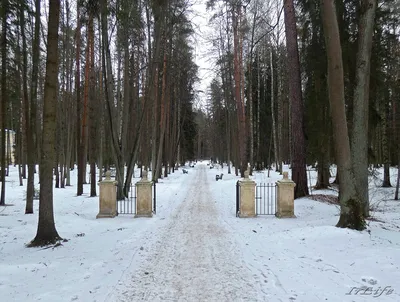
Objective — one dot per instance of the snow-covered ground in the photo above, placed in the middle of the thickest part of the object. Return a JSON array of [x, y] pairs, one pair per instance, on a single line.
[[195, 249]]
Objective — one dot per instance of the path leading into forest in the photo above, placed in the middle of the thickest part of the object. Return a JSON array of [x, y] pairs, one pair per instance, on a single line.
[[195, 257], [195, 249]]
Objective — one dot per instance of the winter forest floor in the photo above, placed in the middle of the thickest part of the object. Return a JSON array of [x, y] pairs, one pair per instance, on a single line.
[[195, 249]]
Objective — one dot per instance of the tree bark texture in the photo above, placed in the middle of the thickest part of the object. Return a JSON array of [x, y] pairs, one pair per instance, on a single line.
[[299, 173], [359, 140], [78, 102], [237, 65], [351, 211], [46, 232], [4, 101]]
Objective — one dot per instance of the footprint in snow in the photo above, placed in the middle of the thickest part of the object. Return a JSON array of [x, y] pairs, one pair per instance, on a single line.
[[369, 280]]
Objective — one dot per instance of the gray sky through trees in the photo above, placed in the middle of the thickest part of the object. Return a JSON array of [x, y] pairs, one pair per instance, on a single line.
[[202, 48]]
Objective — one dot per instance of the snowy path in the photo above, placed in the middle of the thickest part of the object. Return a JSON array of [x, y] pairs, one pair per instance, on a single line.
[[195, 249], [195, 258]]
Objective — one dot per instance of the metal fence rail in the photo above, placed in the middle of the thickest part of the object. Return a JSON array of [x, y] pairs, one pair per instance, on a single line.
[[237, 198], [154, 198]]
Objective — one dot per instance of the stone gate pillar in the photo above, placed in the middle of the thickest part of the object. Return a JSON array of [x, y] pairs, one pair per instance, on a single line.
[[285, 202], [108, 197], [247, 197], [144, 205]]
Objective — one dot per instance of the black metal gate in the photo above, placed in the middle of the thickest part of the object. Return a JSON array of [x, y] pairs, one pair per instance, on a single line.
[[128, 205], [154, 198], [266, 199]]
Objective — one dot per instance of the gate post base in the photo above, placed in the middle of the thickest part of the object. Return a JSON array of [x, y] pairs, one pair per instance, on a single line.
[[285, 215], [104, 215], [144, 215], [245, 215]]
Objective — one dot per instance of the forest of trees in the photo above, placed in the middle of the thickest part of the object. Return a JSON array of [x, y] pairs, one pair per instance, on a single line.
[[309, 83], [112, 83], [98, 83]]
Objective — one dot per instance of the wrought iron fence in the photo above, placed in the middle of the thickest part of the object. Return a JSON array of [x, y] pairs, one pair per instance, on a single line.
[[266, 199], [128, 205]]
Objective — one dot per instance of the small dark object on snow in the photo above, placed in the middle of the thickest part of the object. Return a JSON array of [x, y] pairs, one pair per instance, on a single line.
[[185, 171], [254, 231], [217, 177], [80, 235], [211, 167]]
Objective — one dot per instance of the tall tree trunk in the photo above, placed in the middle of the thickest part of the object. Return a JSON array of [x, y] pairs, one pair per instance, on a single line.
[[258, 110], [323, 160], [359, 141], [163, 112], [69, 106], [56, 174], [351, 210], [386, 157], [84, 125], [237, 63], [396, 193], [78, 102], [178, 153], [158, 11], [32, 143], [4, 101], [109, 95], [92, 111], [279, 99], [274, 136], [46, 232], [299, 173], [228, 116], [27, 105]]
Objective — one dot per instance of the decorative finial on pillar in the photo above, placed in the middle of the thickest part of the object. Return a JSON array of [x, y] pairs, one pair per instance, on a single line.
[[108, 175], [247, 173], [144, 175], [285, 175]]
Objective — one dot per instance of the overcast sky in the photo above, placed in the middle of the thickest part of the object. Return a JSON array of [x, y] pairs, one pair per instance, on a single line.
[[200, 19]]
